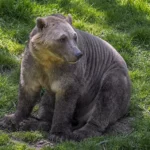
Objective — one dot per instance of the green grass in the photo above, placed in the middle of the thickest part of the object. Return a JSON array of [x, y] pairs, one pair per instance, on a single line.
[[123, 23]]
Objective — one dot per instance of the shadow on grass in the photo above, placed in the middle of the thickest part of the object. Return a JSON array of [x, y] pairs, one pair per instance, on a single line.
[[16, 18], [20, 10], [44, 2], [130, 17]]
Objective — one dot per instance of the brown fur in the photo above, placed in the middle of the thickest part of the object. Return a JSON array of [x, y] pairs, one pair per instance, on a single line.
[[84, 94]]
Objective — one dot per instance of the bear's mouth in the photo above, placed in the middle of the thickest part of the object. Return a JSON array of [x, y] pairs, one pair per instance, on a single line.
[[72, 62]]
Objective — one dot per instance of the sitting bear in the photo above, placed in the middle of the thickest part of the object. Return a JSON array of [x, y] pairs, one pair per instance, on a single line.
[[86, 82]]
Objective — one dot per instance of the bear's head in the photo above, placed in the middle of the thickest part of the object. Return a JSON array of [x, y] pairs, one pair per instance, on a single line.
[[54, 39]]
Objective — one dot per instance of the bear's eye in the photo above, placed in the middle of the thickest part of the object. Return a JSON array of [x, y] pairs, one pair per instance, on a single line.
[[62, 39]]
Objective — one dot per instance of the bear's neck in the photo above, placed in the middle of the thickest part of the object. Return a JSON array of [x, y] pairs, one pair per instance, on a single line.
[[49, 62]]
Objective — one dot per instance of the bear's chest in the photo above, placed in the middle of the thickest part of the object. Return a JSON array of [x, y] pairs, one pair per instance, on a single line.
[[49, 77]]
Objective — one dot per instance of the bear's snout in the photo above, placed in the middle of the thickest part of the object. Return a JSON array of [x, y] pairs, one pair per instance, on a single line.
[[79, 55]]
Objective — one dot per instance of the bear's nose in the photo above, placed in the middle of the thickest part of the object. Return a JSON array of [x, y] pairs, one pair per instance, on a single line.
[[79, 55]]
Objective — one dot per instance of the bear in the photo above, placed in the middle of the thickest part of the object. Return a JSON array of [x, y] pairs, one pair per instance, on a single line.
[[86, 82]]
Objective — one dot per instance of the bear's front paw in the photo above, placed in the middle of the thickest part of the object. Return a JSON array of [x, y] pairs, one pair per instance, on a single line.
[[56, 138], [9, 123], [27, 125], [60, 137], [32, 124]]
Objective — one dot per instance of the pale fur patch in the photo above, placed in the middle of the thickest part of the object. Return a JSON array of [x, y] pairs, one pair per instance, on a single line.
[[56, 87]]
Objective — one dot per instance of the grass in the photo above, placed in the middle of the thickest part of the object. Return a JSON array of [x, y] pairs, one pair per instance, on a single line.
[[123, 23]]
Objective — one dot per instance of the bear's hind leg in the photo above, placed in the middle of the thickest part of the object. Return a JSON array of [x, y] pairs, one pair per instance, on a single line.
[[111, 104]]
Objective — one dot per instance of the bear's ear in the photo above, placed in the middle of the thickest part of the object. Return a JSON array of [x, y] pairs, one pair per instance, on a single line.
[[69, 19], [41, 23]]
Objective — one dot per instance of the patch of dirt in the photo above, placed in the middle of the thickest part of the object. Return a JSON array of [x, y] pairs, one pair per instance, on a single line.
[[38, 145], [43, 143]]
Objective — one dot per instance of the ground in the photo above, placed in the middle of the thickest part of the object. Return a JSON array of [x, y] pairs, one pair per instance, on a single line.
[[123, 23]]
